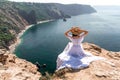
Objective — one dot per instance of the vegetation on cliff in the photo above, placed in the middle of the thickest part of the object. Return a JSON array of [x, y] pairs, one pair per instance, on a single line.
[[75, 9], [39, 11], [43, 11], [10, 24], [14, 16]]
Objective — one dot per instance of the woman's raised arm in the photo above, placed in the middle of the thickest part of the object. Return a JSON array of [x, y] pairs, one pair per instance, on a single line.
[[85, 32], [66, 33]]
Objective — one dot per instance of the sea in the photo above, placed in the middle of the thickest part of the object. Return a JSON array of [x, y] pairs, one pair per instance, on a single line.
[[44, 42]]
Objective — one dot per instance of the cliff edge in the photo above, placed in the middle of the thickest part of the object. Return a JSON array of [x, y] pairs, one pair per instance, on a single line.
[[13, 68], [108, 69]]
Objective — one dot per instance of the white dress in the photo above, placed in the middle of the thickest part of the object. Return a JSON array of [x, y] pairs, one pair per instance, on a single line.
[[74, 56]]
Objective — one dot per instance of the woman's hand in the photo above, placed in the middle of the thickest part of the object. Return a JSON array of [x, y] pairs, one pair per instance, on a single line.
[[66, 33]]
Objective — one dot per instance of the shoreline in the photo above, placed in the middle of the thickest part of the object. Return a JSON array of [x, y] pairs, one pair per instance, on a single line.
[[18, 40]]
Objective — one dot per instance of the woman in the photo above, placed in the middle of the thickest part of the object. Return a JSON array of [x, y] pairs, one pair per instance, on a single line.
[[74, 55], [76, 38]]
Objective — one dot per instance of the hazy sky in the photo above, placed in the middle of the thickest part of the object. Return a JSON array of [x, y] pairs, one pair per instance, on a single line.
[[90, 2]]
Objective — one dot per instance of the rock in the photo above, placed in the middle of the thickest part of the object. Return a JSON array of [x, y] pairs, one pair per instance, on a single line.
[[13, 68], [108, 69], [2, 51]]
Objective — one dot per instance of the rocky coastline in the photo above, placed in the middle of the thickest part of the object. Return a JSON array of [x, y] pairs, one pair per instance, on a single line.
[[14, 68]]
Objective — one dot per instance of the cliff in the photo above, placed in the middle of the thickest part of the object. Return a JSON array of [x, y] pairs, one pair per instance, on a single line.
[[13, 68], [108, 69], [75, 9], [41, 11], [34, 12], [11, 23]]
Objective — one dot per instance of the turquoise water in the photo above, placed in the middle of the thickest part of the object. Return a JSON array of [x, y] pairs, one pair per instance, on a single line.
[[43, 42]]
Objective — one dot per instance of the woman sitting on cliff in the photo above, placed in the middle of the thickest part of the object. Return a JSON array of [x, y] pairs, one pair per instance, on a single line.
[[74, 55]]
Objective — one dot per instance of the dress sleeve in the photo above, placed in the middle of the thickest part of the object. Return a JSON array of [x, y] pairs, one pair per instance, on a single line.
[[82, 33]]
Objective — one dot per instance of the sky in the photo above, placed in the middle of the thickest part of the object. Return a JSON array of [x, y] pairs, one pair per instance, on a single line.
[[90, 2]]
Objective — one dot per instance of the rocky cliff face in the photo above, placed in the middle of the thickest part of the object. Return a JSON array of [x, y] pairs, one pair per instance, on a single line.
[[75, 9], [108, 69], [13, 68], [34, 12], [11, 16], [43, 11], [11, 23]]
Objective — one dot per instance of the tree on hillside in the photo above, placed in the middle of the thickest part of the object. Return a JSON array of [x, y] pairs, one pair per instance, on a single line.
[[32, 17]]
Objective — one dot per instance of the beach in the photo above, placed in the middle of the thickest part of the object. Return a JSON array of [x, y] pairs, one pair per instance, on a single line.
[[18, 40]]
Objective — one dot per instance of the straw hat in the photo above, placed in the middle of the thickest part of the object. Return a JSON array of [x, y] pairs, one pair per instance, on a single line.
[[75, 30]]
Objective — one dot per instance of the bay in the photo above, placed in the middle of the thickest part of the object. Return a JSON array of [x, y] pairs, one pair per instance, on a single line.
[[43, 42]]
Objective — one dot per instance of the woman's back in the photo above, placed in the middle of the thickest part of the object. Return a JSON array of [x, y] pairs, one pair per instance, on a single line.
[[76, 41]]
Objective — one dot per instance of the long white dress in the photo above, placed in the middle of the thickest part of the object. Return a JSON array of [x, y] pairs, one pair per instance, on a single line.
[[74, 56]]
